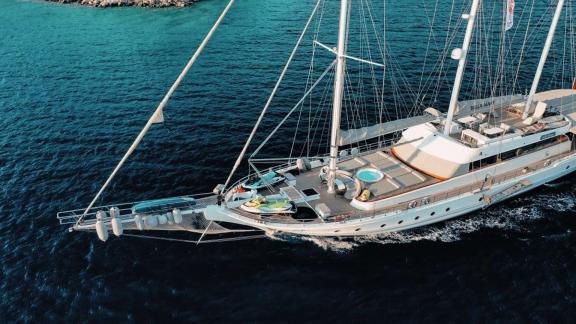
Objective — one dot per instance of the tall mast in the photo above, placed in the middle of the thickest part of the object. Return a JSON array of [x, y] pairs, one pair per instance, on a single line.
[[543, 58], [338, 92], [460, 54]]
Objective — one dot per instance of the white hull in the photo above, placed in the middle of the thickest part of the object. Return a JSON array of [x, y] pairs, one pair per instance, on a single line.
[[410, 218]]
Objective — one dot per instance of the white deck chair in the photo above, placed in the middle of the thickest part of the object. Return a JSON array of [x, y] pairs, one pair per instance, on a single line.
[[537, 115]]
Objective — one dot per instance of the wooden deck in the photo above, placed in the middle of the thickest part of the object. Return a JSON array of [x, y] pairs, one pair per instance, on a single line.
[[342, 211]]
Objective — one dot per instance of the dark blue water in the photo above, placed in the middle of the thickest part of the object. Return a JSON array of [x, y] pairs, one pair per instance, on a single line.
[[77, 84]]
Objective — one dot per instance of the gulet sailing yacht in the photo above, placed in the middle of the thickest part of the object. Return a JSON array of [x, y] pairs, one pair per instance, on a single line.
[[442, 165]]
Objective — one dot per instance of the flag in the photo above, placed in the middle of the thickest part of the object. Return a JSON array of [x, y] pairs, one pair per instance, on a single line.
[[510, 15], [158, 117]]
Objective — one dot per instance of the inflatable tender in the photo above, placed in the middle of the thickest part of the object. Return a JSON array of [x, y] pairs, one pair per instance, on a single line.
[[160, 205], [269, 179]]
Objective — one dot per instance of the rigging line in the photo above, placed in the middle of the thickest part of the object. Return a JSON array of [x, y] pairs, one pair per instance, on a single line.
[[442, 79], [316, 112], [525, 40], [310, 102], [379, 89], [430, 36], [309, 79], [375, 84], [158, 112], [231, 239], [320, 116], [284, 70], [293, 109]]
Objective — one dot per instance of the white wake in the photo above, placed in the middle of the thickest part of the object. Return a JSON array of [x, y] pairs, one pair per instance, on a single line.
[[516, 215]]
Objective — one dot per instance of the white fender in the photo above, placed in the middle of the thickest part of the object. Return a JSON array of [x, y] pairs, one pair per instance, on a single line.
[[162, 219], [170, 218], [151, 220], [177, 215], [139, 222], [114, 212], [101, 229], [117, 227]]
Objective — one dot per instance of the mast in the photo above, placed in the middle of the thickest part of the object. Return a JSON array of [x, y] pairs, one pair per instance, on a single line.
[[460, 54], [338, 92], [543, 58]]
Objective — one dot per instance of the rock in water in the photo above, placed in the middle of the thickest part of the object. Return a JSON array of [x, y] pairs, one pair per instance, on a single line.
[[124, 3]]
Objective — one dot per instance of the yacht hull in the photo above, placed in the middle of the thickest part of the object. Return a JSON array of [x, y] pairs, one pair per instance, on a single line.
[[415, 217]]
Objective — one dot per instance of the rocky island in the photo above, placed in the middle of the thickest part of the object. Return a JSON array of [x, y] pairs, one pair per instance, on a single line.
[[125, 3]]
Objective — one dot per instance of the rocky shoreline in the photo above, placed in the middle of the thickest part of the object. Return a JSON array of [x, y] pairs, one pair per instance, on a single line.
[[127, 3]]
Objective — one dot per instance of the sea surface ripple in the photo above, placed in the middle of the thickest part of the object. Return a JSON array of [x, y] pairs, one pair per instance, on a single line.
[[76, 86]]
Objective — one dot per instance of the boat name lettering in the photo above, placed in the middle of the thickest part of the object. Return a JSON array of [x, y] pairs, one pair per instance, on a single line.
[[547, 136]]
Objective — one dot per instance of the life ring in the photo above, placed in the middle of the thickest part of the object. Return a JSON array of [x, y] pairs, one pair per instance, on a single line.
[[426, 201], [412, 204]]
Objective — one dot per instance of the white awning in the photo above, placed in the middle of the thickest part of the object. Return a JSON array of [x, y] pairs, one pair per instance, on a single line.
[[356, 135], [464, 108], [562, 101], [485, 105]]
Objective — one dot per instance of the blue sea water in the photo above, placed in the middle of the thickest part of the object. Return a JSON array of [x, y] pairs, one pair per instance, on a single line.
[[77, 84]]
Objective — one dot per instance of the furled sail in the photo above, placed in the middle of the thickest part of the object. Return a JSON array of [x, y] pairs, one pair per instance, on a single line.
[[562, 101], [464, 107], [356, 135], [485, 105]]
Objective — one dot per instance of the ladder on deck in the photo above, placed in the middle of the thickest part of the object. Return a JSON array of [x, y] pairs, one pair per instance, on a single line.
[[499, 196]]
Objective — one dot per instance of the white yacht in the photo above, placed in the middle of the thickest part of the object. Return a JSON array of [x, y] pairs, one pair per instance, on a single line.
[[389, 176]]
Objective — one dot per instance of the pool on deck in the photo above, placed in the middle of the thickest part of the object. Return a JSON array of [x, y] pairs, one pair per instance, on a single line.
[[369, 175]]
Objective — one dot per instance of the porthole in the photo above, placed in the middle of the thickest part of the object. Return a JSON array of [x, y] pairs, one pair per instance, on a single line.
[[400, 222], [481, 198], [432, 213], [448, 209], [417, 218], [567, 167], [336, 231], [383, 225], [357, 229]]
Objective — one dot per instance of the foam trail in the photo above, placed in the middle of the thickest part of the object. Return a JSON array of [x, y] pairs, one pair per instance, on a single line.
[[518, 218]]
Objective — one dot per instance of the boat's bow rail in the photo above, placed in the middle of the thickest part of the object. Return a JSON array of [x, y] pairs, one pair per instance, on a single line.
[[127, 211]]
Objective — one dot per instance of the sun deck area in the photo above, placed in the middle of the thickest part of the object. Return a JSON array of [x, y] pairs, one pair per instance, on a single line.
[[487, 127], [308, 190]]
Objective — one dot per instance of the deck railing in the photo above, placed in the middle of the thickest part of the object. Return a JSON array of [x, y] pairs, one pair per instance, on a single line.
[[70, 217]]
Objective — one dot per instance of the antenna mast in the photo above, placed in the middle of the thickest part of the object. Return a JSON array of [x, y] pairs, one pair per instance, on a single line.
[[460, 54]]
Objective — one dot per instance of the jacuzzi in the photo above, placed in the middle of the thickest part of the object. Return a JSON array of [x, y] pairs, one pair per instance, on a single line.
[[369, 175]]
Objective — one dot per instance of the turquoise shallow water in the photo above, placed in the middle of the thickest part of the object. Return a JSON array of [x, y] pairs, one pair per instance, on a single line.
[[77, 84]]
